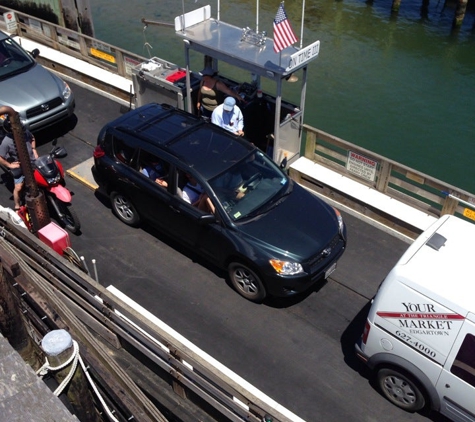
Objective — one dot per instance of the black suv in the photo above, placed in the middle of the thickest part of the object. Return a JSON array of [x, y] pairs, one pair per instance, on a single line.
[[219, 195]]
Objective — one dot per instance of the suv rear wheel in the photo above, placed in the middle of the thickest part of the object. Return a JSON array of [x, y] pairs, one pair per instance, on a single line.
[[124, 209], [400, 389], [246, 282]]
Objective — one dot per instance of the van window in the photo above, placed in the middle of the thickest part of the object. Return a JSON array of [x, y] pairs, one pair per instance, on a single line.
[[122, 151], [464, 363], [154, 168]]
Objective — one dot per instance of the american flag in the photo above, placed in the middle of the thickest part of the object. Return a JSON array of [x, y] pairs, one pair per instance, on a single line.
[[283, 33]]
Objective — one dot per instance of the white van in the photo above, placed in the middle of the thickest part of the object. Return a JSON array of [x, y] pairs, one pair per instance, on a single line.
[[419, 337]]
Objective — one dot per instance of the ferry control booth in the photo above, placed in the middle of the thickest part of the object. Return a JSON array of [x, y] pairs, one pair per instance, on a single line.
[[273, 125]]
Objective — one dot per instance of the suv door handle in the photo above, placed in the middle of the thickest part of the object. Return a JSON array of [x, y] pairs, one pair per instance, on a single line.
[[175, 209]]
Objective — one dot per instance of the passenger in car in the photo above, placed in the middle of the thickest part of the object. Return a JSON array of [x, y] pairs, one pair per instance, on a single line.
[[194, 194], [156, 172], [4, 59]]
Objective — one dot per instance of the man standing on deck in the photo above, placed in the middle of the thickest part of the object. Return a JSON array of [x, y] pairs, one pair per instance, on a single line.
[[229, 116]]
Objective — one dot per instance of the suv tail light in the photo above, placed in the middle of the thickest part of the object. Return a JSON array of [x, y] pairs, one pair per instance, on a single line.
[[365, 334], [98, 152]]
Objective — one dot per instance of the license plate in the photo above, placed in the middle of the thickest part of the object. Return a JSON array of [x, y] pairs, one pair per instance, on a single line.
[[330, 270]]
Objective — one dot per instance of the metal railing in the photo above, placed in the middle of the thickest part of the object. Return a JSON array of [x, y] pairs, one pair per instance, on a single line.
[[387, 176], [55, 294], [409, 186]]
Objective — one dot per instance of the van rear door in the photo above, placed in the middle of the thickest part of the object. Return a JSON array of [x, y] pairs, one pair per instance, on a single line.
[[456, 385]]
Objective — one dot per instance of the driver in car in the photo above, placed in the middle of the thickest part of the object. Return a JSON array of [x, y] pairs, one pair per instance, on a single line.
[[231, 184]]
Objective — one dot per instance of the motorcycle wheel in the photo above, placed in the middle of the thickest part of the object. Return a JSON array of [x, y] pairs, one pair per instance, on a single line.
[[69, 220]]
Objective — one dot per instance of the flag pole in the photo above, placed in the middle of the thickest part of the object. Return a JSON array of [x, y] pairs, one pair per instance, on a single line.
[[301, 29], [257, 16]]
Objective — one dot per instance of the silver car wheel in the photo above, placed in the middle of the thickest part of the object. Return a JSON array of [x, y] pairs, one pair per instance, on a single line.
[[246, 282], [400, 390], [124, 209]]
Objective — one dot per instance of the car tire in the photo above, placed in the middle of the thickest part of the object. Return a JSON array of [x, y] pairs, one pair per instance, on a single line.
[[246, 282], [124, 209], [400, 389]]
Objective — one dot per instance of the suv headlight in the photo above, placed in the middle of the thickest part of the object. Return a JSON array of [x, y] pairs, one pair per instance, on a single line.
[[286, 267], [341, 225], [66, 91]]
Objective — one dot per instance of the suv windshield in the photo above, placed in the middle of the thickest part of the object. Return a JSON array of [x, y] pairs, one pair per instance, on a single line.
[[13, 59], [250, 186]]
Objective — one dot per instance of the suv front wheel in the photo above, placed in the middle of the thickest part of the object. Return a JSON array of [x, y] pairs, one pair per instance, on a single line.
[[246, 282], [124, 209]]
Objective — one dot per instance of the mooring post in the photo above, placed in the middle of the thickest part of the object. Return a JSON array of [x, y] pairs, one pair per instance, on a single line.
[[460, 13], [61, 353], [395, 6]]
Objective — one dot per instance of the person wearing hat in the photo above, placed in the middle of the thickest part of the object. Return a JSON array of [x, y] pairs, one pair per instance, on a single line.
[[229, 116], [208, 93]]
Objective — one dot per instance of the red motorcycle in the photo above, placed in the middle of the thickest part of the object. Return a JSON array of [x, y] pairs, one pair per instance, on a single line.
[[49, 176]]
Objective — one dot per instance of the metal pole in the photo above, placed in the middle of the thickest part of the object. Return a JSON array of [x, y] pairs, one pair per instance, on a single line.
[[183, 17], [95, 270], [278, 103], [189, 105]]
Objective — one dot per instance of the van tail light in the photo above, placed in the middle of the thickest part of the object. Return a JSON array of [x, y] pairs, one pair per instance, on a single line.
[[98, 152], [364, 337]]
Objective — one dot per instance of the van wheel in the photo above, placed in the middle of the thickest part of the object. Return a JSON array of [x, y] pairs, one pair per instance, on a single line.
[[124, 209], [246, 282], [400, 390]]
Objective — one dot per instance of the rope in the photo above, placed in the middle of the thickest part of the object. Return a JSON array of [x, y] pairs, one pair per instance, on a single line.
[[98, 394], [47, 367], [74, 359]]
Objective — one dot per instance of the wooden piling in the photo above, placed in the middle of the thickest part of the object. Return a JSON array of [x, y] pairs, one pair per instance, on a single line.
[[395, 6], [12, 324], [460, 13], [59, 348]]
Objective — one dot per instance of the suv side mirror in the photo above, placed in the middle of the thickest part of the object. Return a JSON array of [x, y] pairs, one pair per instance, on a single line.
[[207, 219], [35, 53]]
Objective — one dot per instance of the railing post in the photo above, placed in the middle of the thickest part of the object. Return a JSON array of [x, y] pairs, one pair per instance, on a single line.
[[310, 143], [383, 177], [449, 206]]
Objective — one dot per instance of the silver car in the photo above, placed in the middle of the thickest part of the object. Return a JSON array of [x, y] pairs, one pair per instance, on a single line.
[[39, 96]]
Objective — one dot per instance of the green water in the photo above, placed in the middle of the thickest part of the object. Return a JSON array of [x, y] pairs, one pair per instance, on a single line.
[[401, 86]]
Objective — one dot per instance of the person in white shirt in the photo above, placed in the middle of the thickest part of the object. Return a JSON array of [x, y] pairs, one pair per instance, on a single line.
[[194, 194], [229, 116], [192, 191]]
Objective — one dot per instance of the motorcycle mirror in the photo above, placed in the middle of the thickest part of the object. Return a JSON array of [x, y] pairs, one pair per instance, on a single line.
[[59, 152]]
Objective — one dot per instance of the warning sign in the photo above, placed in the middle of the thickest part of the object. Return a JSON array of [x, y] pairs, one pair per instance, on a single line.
[[100, 54], [361, 166], [10, 21], [467, 212]]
